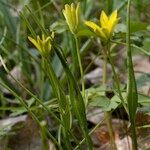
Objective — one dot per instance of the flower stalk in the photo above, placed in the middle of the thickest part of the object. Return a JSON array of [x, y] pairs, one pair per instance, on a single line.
[[108, 113], [72, 15], [44, 46], [81, 68]]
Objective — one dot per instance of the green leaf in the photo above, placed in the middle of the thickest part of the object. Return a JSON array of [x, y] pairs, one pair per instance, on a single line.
[[30, 102], [18, 111], [106, 104], [143, 80], [114, 103], [9, 20], [59, 26], [100, 101]]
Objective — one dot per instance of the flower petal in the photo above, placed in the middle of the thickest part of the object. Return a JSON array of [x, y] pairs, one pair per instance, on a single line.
[[103, 19], [73, 14], [112, 21], [77, 13], [96, 29], [34, 42]]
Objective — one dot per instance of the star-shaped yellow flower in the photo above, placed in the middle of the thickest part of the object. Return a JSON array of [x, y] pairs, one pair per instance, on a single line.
[[106, 27], [71, 14], [42, 44]]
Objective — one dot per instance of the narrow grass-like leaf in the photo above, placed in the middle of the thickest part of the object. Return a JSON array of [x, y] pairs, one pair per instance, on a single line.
[[62, 100], [28, 24], [132, 96], [36, 20], [8, 19], [75, 96]]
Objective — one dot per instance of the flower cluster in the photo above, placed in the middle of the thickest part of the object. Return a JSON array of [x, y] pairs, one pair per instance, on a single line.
[[43, 44], [71, 14], [106, 27]]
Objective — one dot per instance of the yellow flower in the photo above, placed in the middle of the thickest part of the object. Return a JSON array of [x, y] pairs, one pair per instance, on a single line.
[[107, 25], [42, 44], [71, 14]]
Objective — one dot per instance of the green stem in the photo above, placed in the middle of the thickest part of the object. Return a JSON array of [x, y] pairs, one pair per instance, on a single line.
[[42, 82], [110, 130], [109, 6], [116, 78], [44, 139], [104, 77], [108, 114], [98, 125], [132, 98], [81, 68]]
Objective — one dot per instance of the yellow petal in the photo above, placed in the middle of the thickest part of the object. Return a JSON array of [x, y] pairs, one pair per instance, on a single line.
[[73, 14], [68, 16], [77, 13], [112, 20], [113, 15], [103, 19], [35, 43], [66, 12], [96, 28], [92, 25], [40, 44]]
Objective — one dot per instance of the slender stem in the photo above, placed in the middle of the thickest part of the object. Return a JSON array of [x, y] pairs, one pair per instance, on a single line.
[[110, 130], [44, 139], [107, 113], [81, 68], [77, 147], [132, 97], [104, 77], [84, 6], [109, 6], [42, 82], [116, 78]]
